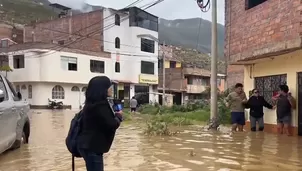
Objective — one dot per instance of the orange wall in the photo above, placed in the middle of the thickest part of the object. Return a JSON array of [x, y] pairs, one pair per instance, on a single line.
[[222, 84]]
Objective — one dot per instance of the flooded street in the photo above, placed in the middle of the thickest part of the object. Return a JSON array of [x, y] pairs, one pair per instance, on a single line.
[[193, 149]]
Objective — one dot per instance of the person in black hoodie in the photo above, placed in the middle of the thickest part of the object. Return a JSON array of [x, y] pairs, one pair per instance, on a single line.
[[99, 123], [256, 104]]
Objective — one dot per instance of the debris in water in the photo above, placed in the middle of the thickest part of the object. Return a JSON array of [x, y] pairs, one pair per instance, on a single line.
[[192, 154]]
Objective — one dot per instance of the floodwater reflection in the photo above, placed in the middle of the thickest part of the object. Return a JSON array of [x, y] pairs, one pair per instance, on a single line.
[[193, 150]]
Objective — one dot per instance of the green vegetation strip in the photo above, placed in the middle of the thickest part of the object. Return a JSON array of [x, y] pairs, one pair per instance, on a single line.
[[159, 118]]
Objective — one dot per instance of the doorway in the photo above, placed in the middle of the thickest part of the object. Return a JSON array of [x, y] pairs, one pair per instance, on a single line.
[[142, 94], [177, 98], [299, 103]]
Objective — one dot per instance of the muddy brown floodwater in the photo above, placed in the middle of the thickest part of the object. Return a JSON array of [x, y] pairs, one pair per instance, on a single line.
[[193, 149]]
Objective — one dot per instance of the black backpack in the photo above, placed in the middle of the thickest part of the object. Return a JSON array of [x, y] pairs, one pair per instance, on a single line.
[[72, 137]]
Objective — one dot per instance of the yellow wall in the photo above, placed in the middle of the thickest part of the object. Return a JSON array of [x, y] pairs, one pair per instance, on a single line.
[[288, 64], [167, 64]]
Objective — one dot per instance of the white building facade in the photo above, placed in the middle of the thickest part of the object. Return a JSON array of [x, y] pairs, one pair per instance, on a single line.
[[41, 74], [131, 36]]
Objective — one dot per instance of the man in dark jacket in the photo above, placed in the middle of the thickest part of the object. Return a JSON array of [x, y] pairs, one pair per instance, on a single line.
[[285, 104], [256, 104]]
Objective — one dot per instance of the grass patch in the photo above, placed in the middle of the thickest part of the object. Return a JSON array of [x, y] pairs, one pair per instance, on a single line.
[[180, 115]]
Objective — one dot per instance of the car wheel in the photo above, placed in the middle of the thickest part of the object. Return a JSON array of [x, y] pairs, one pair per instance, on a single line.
[[24, 139], [18, 143]]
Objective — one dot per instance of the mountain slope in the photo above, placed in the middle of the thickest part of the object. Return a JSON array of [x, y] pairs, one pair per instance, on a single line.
[[184, 32]]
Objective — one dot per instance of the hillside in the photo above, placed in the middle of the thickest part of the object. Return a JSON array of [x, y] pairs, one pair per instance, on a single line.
[[184, 32]]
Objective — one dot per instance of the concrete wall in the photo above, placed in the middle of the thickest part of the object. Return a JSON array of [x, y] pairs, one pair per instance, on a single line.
[[42, 91], [288, 64], [129, 55], [47, 68]]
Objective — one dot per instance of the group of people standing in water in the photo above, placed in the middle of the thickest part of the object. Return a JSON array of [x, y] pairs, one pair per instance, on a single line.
[[238, 102], [100, 121]]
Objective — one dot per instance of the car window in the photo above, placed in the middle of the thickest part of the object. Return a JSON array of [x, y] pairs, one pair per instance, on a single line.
[[3, 88], [14, 93]]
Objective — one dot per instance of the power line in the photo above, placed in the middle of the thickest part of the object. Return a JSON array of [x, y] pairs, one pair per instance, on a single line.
[[109, 26], [98, 22], [58, 46]]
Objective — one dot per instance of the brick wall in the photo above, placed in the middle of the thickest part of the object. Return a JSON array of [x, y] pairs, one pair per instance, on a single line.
[[59, 29], [174, 79], [5, 31], [269, 27]]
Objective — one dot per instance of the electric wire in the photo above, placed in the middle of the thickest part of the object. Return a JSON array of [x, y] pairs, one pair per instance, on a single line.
[[96, 31], [89, 26]]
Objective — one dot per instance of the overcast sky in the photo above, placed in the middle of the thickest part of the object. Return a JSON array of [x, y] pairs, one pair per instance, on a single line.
[[168, 9]]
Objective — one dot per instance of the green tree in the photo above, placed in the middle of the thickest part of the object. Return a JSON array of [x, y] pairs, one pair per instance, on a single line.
[[6, 69]]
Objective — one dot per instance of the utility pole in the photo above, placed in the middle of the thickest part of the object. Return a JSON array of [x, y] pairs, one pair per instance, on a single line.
[[164, 75], [214, 54]]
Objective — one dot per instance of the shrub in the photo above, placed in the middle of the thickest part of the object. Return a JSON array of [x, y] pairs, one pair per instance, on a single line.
[[156, 127], [148, 109]]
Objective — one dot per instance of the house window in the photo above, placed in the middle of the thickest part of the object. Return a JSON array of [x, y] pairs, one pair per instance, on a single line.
[[18, 61], [269, 85], [61, 42], [4, 43], [219, 82], [172, 64], [252, 3], [117, 67], [140, 18], [69, 63], [23, 87], [84, 89], [75, 88], [205, 81], [58, 92], [17, 88], [30, 91], [117, 43], [189, 80], [147, 45], [160, 63], [117, 20], [97, 66], [147, 67]]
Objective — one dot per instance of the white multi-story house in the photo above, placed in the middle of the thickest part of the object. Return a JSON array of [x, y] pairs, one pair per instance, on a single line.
[[41, 73], [134, 51], [122, 42]]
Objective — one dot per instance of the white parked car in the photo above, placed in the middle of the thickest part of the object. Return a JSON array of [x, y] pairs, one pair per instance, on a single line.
[[14, 120]]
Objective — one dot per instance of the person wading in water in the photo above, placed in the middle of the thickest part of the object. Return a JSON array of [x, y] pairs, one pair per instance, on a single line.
[[99, 123], [285, 104], [256, 104], [235, 101]]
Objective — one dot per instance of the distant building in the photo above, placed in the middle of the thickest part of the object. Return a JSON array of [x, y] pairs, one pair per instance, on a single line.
[[264, 48], [185, 82], [132, 46], [41, 73], [134, 51], [10, 33]]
